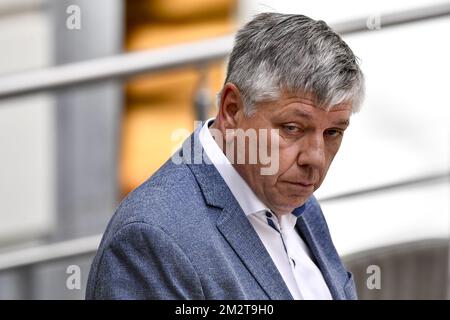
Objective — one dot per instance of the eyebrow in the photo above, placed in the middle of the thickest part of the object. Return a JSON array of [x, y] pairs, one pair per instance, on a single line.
[[345, 123], [308, 116]]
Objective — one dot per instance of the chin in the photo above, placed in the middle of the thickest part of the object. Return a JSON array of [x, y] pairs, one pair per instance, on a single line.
[[291, 202], [298, 200]]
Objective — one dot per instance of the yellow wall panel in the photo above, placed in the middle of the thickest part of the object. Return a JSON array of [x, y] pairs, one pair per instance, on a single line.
[[153, 35], [175, 10], [146, 140], [160, 103]]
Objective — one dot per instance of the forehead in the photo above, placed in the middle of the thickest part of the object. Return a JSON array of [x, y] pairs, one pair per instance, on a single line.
[[304, 107]]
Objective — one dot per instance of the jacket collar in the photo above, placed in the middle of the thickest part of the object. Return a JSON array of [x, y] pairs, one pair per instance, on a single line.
[[311, 229]]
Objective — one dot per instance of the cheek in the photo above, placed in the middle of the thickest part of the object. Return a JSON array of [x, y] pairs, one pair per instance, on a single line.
[[287, 157], [269, 183], [287, 167], [329, 157], [330, 154]]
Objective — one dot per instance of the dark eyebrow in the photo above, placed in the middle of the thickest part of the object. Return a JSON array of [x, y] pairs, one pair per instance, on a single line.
[[308, 116]]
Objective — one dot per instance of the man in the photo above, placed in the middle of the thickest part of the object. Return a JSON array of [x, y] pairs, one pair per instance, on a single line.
[[232, 215]]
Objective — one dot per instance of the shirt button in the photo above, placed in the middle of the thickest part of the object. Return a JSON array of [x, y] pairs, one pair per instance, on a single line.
[[268, 214]]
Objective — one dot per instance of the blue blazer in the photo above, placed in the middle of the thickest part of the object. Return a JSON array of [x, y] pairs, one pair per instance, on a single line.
[[182, 235]]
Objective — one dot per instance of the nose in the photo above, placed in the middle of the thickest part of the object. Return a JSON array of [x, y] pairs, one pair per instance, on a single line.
[[312, 152]]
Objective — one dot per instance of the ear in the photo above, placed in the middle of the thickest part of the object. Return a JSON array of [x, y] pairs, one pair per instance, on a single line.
[[231, 106]]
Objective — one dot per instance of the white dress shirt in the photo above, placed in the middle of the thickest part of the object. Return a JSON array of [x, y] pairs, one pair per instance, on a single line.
[[288, 251]]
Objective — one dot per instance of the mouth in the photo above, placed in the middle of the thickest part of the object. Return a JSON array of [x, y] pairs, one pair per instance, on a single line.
[[305, 185]]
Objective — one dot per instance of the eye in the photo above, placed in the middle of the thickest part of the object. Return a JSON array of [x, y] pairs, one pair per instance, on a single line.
[[334, 133], [291, 128]]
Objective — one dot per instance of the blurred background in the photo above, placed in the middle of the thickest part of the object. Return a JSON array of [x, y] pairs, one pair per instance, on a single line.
[[96, 95]]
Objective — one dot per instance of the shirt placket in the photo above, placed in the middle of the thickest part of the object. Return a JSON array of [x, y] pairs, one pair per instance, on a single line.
[[274, 223]]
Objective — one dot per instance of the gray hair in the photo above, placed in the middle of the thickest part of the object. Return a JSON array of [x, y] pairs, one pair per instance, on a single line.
[[293, 53]]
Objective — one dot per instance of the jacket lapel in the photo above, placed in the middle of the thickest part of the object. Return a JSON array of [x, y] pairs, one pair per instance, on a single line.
[[237, 230], [326, 257]]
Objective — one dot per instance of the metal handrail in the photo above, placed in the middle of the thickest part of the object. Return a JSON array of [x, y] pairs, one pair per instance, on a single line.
[[49, 252], [21, 7], [88, 245], [393, 19], [114, 67], [129, 64], [431, 178]]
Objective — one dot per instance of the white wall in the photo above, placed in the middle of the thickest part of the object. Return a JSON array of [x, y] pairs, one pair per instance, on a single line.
[[401, 133], [26, 126]]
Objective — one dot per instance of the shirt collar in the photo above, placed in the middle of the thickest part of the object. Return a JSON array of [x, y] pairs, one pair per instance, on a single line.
[[244, 195]]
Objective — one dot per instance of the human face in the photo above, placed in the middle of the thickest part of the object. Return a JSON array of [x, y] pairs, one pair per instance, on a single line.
[[309, 139]]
